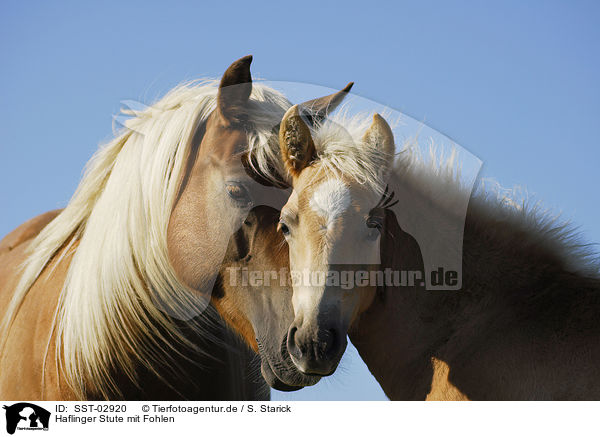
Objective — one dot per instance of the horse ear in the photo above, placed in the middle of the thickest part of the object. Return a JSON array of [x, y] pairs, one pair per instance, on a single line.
[[235, 89], [380, 136], [295, 142], [316, 110]]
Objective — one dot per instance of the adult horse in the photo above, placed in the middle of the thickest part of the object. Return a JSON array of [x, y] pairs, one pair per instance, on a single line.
[[113, 300], [525, 324]]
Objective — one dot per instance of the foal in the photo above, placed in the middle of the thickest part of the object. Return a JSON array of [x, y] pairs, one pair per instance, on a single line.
[[525, 325]]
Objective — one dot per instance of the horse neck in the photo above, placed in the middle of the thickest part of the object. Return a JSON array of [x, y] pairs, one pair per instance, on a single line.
[[397, 334], [504, 263], [392, 341]]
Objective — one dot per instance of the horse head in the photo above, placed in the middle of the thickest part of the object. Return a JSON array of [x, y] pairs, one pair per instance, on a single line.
[[225, 217], [332, 223]]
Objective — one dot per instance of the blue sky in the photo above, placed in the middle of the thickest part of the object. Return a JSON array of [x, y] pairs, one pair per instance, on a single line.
[[515, 82]]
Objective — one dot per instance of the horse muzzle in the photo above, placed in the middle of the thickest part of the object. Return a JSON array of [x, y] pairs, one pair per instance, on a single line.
[[316, 352]]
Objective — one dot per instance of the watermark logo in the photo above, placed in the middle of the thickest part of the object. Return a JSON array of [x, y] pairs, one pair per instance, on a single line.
[[344, 279], [24, 416]]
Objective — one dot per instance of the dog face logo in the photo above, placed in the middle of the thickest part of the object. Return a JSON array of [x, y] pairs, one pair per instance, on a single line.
[[26, 416]]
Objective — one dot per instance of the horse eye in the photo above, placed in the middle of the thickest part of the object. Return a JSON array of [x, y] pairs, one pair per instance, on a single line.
[[238, 192], [374, 222], [283, 228]]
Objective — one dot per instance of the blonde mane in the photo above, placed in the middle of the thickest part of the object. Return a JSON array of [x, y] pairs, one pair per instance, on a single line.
[[437, 177], [116, 225]]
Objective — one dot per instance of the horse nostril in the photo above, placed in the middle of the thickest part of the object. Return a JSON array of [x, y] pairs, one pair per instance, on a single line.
[[327, 344], [292, 347]]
